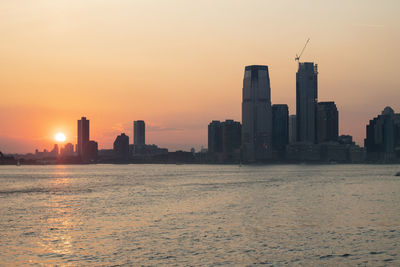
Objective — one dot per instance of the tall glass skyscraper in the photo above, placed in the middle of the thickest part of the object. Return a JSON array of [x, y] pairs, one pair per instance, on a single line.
[[256, 114], [306, 102]]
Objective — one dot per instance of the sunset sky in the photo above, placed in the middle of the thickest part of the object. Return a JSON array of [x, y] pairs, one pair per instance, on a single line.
[[179, 64]]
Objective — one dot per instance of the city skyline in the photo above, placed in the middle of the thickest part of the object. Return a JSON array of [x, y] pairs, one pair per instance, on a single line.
[[178, 77]]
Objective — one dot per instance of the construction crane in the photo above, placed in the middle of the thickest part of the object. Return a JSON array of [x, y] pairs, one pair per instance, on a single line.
[[297, 58]]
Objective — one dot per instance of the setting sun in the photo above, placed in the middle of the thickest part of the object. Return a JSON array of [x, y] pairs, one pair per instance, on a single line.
[[60, 137]]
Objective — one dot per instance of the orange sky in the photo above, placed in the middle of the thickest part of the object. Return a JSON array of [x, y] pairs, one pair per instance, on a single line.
[[179, 64]]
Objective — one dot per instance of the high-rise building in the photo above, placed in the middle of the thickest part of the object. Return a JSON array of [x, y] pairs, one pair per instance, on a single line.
[[83, 136], [139, 137], [327, 122], [280, 126], [224, 140], [215, 137], [256, 114], [121, 146], [231, 139], [92, 150], [292, 129], [383, 136], [306, 102]]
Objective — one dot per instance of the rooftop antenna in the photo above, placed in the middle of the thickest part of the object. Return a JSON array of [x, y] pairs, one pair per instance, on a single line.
[[297, 58]]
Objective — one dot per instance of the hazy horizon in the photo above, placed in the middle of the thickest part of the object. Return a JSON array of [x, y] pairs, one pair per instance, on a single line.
[[178, 65]]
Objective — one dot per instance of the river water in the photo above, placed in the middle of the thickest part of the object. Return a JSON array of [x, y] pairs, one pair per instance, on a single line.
[[194, 215]]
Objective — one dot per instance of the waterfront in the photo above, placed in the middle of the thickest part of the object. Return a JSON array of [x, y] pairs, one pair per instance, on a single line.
[[200, 215]]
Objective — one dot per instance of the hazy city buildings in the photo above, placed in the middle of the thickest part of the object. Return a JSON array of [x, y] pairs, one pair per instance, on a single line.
[[306, 102], [267, 133], [67, 150], [139, 134], [121, 146], [83, 136], [292, 129], [256, 114], [280, 126], [327, 122]]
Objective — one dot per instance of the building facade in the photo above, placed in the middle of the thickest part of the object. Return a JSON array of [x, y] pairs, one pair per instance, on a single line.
[[83, 136], [256, 114], [280, 126], [92, 150], [224, 140], [215, 137], [306, 101], [121, 146], [231, 140], [327, 122], [139, 133], [383, 136], [292, 129]]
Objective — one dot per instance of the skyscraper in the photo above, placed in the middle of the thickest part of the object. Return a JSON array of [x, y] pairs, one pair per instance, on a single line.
[[224, 140], [83, 136], [139, 137], [306, 101], [280, 126], [215, 137], [327, 122], [256, 114], [292, 129], [383, 136], [231, 139], [92, 150]]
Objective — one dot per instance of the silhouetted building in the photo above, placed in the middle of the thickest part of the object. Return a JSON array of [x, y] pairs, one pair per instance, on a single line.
[[83, 136], [215, 137], [121, 146], [327, 122], [91, 151], [139, 134], [292, 129], [383, 136], [280, 126], [306, 101], [231, 140], [224, 140], [256, 114]]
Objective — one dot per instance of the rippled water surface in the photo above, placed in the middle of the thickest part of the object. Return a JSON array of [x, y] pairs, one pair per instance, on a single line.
[[200, 215]]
